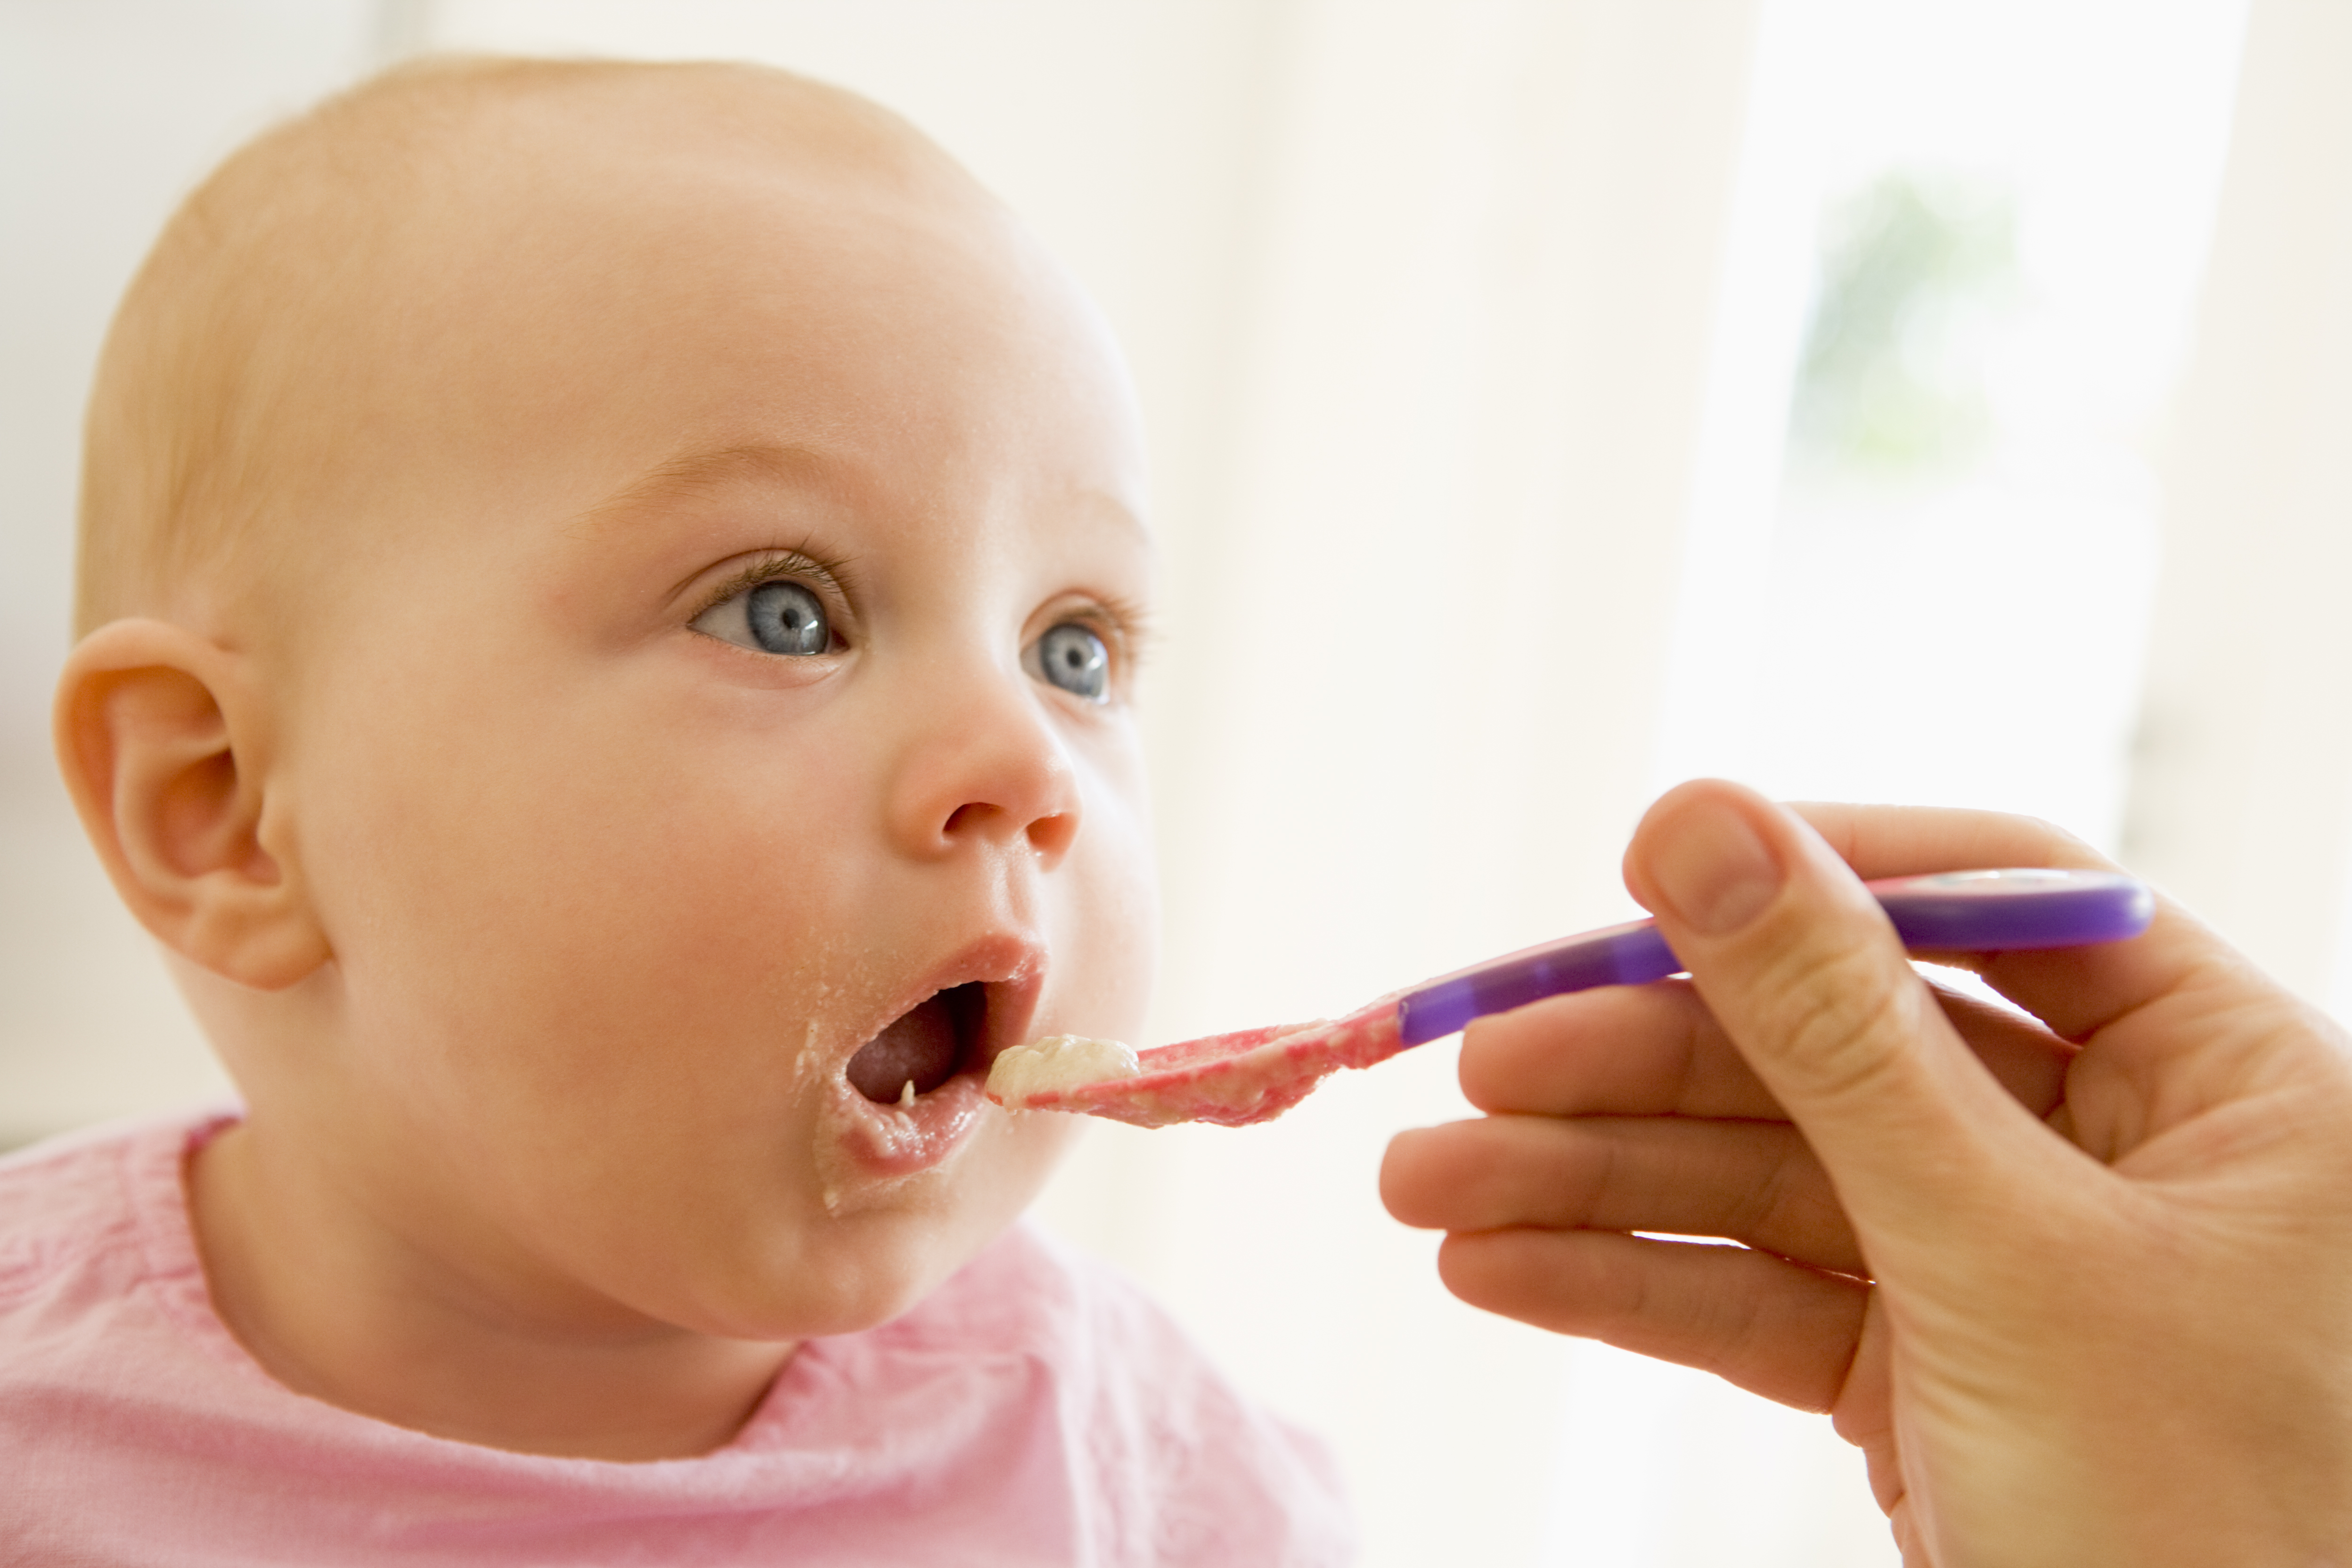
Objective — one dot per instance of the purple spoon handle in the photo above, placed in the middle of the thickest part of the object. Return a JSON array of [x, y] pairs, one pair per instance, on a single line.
[[1951, 912]]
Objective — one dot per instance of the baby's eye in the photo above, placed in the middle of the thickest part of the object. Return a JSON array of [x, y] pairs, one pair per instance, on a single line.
[[780, 616], [1073, 657]]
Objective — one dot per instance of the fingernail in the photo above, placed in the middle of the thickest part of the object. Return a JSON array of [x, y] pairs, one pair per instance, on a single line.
[[1713, 868]]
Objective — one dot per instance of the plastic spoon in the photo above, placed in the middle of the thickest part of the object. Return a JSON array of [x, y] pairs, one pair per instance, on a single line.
[[1255, 1075]]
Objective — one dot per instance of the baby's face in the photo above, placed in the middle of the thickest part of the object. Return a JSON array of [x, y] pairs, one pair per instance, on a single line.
[[725, 669]]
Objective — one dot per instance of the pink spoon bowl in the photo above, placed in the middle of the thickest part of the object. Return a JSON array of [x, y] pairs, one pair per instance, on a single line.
[[1232, 1080]]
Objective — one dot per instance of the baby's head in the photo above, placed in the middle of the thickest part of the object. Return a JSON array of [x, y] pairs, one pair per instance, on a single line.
[[610, 595]]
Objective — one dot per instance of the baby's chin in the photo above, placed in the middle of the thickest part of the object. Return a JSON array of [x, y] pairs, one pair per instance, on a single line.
[[877, 1244], [851, 1207], [880, 1225]]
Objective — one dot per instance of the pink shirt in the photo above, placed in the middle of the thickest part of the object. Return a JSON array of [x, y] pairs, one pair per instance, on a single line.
[[1034, 1409]]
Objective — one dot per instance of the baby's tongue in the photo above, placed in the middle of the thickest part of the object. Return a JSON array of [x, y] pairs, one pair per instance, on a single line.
[[919, 1047]]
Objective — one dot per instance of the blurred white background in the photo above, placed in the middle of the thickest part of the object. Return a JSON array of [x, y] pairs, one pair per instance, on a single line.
[[1552, 398]]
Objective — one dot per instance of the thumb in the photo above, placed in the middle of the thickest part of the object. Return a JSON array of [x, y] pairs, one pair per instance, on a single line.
[[1806, 975]]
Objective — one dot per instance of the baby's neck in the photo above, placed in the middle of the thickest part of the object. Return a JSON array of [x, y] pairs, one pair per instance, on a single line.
[[327, 1294]]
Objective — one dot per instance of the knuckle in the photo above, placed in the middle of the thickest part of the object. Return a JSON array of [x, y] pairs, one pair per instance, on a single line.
[[1837, 1013], [1780, 1203]]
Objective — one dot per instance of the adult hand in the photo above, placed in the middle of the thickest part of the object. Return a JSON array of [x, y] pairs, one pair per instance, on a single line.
[[2080, 1289]]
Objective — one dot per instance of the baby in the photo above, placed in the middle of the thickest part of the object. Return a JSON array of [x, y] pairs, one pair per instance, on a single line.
[[610, 597]]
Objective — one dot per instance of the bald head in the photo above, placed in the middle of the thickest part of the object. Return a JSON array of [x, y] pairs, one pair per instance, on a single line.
[[352, 286]]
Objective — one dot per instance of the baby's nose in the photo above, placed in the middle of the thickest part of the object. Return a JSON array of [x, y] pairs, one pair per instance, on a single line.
[[983, 765]]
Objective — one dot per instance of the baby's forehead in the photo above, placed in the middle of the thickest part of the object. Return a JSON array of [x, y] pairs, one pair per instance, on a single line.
[[459, 253], [765, 254], [613, 148]]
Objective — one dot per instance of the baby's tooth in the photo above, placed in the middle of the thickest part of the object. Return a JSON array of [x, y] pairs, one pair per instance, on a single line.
[[907, 1096]]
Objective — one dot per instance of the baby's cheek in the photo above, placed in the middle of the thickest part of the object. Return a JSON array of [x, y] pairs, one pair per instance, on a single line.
[[1045, 1138], [1004, 1169], [1105, 959]]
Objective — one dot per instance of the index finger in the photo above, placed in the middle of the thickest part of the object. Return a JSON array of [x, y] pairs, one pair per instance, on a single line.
[[1655, 1050]]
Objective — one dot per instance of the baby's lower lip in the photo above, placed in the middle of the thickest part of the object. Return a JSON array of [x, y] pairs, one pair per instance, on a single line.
[[895, 1140]]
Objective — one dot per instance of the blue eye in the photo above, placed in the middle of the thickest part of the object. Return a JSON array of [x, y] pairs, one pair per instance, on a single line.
[[784, 617], [780, 618], [1074, 658]]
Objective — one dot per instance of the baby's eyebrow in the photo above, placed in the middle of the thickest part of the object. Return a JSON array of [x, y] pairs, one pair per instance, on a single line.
[[696, 475], [1109, 506], [711, 471]]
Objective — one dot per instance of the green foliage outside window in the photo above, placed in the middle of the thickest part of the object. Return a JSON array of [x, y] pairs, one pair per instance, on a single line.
[[1913, 270]]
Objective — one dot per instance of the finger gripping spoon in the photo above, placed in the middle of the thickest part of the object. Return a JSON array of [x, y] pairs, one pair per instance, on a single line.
[[1256, 1075]]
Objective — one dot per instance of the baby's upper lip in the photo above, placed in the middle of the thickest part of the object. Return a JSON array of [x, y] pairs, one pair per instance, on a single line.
[[1010, 969]]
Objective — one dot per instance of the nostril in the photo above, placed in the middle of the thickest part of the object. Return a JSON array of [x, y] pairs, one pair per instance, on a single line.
[[1051, 835]]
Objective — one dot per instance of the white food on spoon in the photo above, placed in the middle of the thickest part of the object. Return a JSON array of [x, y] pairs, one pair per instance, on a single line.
[[1057, 1064]]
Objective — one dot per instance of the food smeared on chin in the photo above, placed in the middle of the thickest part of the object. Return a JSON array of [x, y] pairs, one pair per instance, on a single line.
[[1057, 1064]]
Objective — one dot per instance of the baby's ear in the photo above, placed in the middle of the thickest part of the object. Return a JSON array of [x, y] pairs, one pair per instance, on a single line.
[[163, 748]]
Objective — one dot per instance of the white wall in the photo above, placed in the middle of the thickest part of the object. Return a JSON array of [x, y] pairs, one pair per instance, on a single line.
[[109, 110]]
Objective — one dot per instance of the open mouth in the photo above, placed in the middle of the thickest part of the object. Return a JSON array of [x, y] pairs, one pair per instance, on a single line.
[[924, 1047], [909, 1098]]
